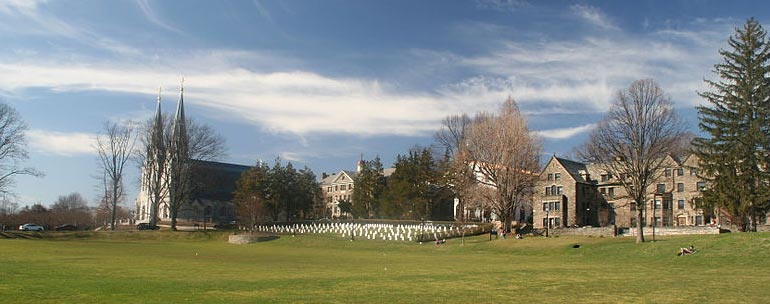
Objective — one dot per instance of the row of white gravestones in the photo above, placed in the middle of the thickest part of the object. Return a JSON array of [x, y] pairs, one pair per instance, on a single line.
[[385, 232]]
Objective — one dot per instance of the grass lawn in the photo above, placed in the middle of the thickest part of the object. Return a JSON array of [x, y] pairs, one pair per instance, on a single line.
[[200, 267]]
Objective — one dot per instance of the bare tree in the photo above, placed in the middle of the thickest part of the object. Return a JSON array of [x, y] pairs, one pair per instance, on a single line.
[[506, 159], [459, 175], [71, 209], [115, 147], [12, 148], [633, 140], [8, 210]]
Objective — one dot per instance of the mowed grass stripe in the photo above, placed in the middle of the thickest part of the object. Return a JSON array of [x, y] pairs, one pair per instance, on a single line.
[[167, 267]]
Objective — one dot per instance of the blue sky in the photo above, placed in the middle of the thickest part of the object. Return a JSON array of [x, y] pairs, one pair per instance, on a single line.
[[319, 83]]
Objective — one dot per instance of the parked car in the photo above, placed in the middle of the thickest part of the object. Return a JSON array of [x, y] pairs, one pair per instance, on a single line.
[[147, 226], [66, 227], [31, 227]]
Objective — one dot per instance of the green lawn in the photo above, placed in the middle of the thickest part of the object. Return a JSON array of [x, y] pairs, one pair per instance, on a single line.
[[196, 267]]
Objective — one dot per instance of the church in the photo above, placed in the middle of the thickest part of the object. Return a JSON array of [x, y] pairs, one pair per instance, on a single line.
[[211, 188]]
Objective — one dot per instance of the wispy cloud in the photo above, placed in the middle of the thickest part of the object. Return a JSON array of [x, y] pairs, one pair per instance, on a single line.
[[583, 73], [153, 17], [502, 5], [20, 17], [61, 143], [565, 132], [593, 15]]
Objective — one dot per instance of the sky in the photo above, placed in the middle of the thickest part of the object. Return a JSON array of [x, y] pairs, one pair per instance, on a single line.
[[320, 83]]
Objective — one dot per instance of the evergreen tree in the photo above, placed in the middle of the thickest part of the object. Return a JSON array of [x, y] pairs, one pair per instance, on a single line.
[[414, 190], [368, 188], [251, 195], [734, 155]]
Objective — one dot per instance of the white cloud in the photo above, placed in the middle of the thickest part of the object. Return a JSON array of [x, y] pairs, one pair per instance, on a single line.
[[565, 132], [61, 143], [593, 15], [294, 102]]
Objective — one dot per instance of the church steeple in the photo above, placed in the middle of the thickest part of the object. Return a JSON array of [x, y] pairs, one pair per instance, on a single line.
[[180, 127]]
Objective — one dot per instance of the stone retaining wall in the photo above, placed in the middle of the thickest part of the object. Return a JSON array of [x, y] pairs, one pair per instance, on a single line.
[[587, 231], [675, 230], [249, 238]]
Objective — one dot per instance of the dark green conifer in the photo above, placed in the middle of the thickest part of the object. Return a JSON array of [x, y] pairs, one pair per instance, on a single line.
[[734, 151]]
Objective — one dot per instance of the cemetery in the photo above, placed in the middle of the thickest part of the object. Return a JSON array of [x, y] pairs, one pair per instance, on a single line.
[[373, 231]]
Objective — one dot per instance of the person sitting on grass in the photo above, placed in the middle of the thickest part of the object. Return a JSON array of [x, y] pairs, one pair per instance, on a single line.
[[688, 250]]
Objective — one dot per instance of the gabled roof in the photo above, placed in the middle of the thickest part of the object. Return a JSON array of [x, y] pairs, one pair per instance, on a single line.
[[573, 168], [334, 178]]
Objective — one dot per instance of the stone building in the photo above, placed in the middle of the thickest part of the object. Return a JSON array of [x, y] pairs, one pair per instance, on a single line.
[[338, 187], [565, 195], [575, 194]]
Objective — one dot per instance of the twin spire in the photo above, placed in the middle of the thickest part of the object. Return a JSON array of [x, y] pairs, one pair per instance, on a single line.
[[179, 117]]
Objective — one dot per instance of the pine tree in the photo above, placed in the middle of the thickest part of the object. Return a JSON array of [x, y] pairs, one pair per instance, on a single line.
[[368, 188], [734, 154]]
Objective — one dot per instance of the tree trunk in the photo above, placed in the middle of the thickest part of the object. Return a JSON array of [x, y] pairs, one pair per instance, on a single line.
[[114, 204], [639, 224]]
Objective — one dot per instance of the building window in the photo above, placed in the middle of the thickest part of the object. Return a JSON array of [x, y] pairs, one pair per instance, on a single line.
[[701, 186], [550, 176], [603, 191], [667, 172], [558, 190], [611, 191], [551, 206], [666, 204], [679, 171], [661, 188], [698, 220], [680, 204], [680, 187], [657, 204], [693, 171], [557, 221], [545, 222], [547, 191], [604, 177], [557, 176]]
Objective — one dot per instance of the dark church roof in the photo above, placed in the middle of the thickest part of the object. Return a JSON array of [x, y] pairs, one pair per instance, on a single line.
[[214, 180]]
